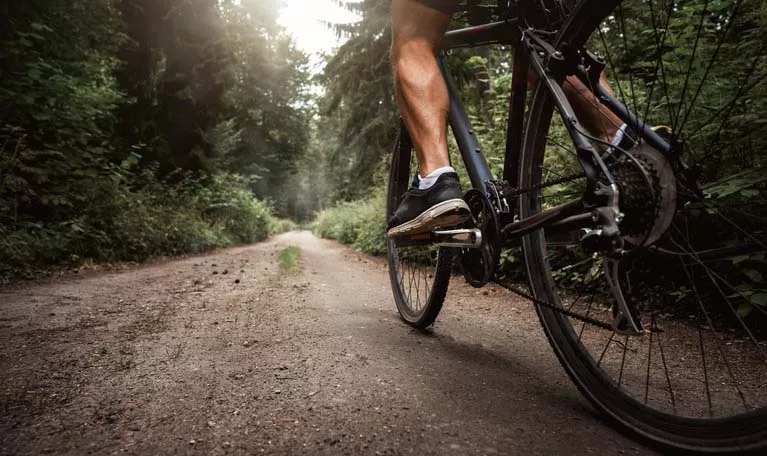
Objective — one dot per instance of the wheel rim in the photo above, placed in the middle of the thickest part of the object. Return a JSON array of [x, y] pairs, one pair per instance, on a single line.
[[700, 366]]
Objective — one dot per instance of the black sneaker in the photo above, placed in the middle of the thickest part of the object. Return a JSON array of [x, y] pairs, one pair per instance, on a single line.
[[440, 206]]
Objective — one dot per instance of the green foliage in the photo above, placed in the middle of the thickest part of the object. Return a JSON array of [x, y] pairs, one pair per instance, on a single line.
[[146, 219], [57, 97], [230, 205], [131, 129], [360, 118], [280, 225], [266, 129], [360, 224]]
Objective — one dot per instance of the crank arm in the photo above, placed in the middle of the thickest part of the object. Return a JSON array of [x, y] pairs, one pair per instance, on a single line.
[[463, 238], [625, 322]]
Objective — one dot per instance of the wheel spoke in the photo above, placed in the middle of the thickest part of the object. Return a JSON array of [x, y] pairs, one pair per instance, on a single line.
[[743, 89], [710, 324], [623, 360], [626, 51], [730, 306], [659, 65], [711, 61], [677, 126], [665, 368]]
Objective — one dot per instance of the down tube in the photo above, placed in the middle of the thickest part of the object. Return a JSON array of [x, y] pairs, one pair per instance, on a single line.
[[479, 171]]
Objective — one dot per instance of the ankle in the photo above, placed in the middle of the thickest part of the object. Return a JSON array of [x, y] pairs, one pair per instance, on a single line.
[[615, 137], [427, 181]]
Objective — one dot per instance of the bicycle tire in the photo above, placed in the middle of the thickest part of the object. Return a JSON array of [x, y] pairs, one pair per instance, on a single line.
[[419, 276], [745, 433]]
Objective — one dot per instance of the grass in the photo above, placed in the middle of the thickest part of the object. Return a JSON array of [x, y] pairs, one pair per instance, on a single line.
[[289, 258]]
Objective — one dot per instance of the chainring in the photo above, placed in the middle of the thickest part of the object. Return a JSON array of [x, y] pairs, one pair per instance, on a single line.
[[479, 264]]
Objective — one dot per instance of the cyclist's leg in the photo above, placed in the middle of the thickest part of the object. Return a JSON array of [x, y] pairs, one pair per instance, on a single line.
[[417, 29], [422, 96], [595, 117]]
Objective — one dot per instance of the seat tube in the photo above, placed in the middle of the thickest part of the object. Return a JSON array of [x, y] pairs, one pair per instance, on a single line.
[[515, 122], [479, 171]]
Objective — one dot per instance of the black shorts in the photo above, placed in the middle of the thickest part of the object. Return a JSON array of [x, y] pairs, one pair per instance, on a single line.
[[556, 10], [446, 6]]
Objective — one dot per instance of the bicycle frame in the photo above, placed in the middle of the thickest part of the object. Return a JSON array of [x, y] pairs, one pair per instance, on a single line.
[[552, 70]]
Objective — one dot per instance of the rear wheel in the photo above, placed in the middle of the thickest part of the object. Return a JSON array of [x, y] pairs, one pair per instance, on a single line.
[[696, 275], [419, 275]]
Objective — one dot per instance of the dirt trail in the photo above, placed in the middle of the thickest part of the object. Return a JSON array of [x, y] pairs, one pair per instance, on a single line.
[[227, 354]]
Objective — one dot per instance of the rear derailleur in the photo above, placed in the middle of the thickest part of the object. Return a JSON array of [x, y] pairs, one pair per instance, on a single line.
[[604, 239]]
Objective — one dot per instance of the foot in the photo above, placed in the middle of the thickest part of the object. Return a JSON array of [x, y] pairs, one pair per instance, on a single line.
[[439, 206]]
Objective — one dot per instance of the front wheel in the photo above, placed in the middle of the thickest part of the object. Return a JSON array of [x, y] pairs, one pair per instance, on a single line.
[[697, 278], [419, 275]]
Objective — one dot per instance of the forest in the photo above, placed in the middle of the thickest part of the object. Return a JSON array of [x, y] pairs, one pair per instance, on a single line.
[[131, 129]]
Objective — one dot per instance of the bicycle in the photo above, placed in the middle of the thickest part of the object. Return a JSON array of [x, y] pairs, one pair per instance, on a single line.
[[649, 285]]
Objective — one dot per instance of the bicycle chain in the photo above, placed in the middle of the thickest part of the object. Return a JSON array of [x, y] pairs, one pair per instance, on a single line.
[[568, 313], [562, 310], [521, 191]]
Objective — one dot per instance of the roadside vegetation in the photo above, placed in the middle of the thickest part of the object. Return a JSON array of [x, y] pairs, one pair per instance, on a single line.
[[359, 223], [118, 143]]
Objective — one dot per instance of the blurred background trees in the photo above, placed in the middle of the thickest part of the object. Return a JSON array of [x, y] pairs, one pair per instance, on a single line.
[[142, 127]]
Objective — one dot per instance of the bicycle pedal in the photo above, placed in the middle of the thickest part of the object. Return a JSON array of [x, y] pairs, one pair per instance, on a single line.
[[463, 238]]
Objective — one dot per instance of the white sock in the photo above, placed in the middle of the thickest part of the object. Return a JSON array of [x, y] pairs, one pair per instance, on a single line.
[[431, 179], [619, 135]]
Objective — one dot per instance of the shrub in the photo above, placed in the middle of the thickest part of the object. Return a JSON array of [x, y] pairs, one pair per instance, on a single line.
[[136, 217], [280, 225], [361, 224], [236, 212]]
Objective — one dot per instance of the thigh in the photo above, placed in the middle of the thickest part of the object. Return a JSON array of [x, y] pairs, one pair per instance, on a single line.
[[415, 21]]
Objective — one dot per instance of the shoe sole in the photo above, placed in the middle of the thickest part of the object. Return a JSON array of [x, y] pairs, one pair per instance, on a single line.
[[448, 213]]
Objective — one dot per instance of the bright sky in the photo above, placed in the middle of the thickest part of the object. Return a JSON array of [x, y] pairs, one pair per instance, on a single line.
[[304, 20]]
